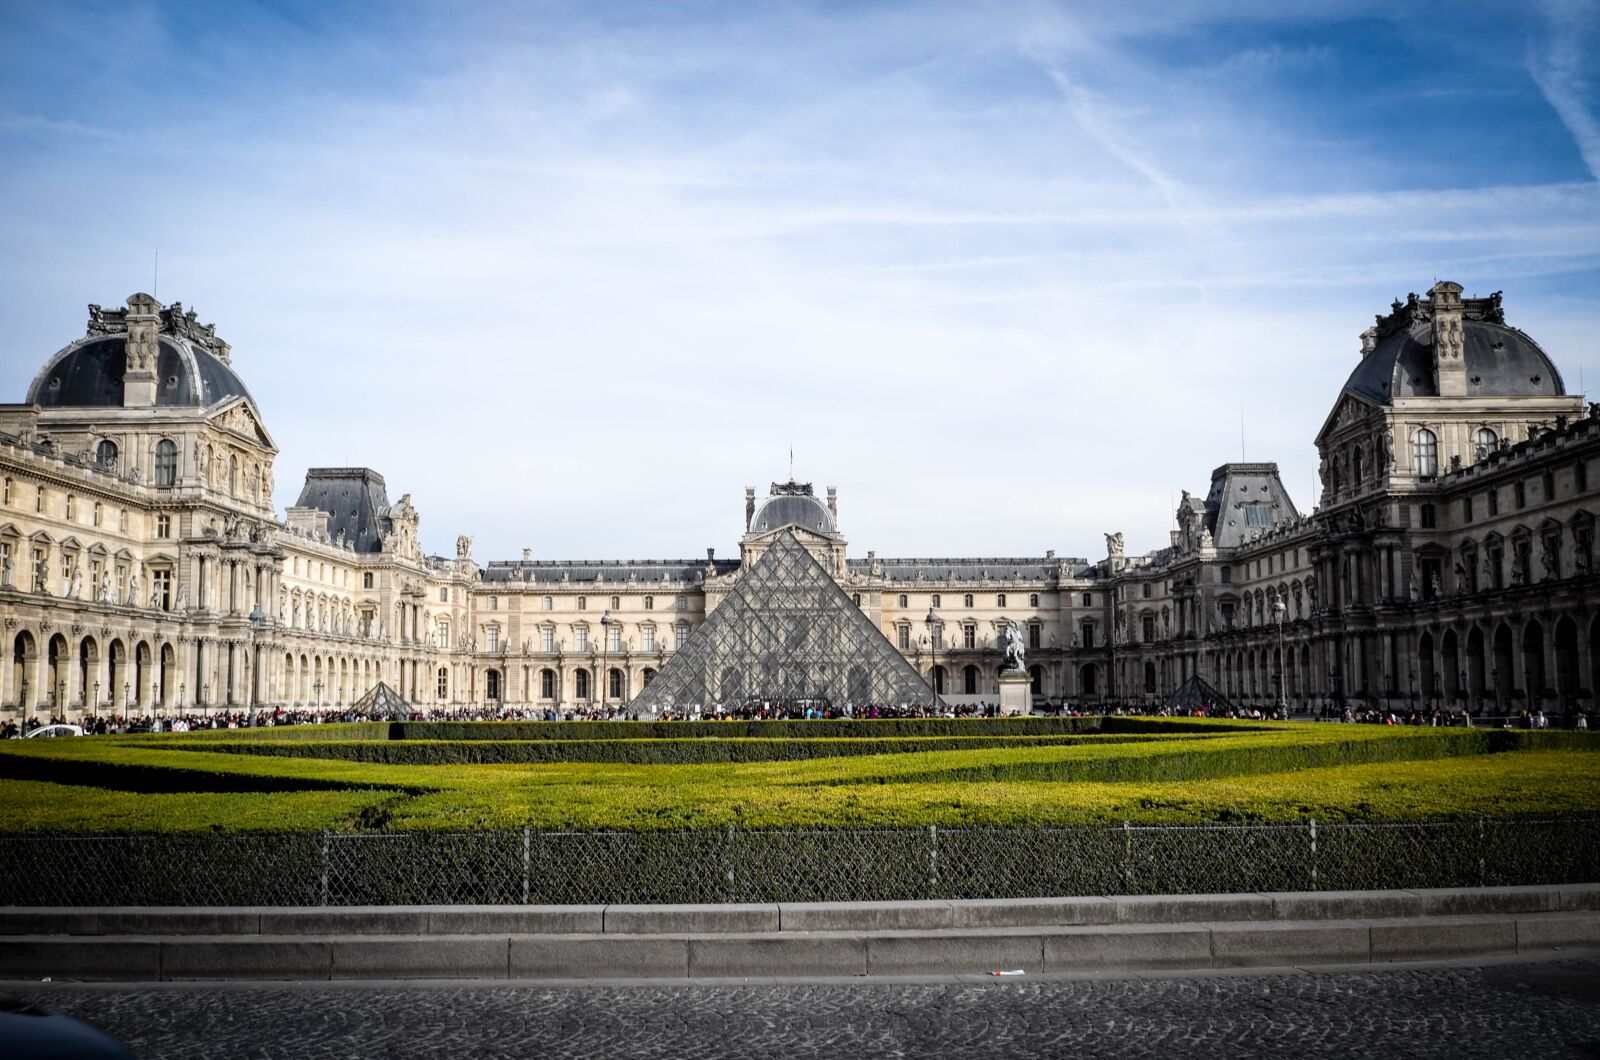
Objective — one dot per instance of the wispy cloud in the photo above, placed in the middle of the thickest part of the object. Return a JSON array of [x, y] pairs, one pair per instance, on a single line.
[[574, 276], [1564, 67]]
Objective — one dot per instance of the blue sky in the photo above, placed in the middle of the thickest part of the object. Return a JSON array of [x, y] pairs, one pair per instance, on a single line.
[[1007, 274]]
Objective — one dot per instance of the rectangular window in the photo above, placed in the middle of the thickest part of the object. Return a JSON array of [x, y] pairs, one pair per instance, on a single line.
[[680, 634], [72, 506], [491, 637], [1549, 486], [613, 639], [444, 595], [549, 604], [1257, 515], [647, 638], [1149, 628], [1466, 509], [444, 635], [162, 591], [163, 526], [969, 636], [580, 639], [97, 513], [1580, 477], [7, 497], [904, 637], [366, 578], [1087, 632], [547, 639], [1520, 491], [1147, 590], [1227, 575], [1427, 517], [1494, 502], [38, 501], [444, 683], [1034, 635]]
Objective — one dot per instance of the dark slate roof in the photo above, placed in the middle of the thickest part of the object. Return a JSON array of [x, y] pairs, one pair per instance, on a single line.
[[88, 373], [1235, 489], [637, 572], [356, 500], [1029, 568], [784, 510], [1500, 362]]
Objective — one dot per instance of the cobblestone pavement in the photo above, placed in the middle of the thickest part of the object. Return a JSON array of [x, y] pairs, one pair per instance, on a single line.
[[1504, 1010]]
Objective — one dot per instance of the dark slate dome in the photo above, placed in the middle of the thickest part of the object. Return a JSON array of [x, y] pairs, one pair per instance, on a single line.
[[1500, 361], [792, 509], [88, 373]]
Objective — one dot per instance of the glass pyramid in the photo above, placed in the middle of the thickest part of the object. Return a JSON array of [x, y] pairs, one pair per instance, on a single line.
[[382, 702], [786, 636]]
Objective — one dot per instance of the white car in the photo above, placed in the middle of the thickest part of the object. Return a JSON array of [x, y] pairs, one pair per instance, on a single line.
[[55, 730]]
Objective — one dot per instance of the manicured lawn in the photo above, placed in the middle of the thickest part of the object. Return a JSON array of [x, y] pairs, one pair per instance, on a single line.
[[352, 778]]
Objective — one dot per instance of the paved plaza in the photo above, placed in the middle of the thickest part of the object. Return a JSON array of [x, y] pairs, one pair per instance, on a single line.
[[1502, 1009]]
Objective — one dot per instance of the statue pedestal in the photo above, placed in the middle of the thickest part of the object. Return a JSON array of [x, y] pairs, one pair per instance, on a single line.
[[1016, 692]]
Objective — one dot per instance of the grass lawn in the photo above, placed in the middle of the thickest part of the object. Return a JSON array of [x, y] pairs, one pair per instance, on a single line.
[[863, 773]]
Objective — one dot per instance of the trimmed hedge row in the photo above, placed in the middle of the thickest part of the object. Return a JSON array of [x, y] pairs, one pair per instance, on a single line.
[[1216, 760], [694, 751], [879, 728]]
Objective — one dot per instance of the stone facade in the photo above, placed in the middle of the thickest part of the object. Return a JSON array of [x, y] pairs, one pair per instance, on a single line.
[[1450, 561]]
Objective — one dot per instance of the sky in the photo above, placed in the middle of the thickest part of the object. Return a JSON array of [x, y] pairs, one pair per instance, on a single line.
[[1009, 275]]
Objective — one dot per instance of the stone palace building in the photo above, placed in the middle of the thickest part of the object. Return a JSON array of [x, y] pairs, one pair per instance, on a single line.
[[1449, 561]]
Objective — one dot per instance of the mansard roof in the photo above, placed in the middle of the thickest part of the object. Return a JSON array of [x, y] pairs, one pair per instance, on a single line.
[[973, 568], [606, 572], [356, 500]]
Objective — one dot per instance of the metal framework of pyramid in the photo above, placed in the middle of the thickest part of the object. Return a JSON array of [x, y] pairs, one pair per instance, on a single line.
[[1196, 693], [786, 635], [382, 701]]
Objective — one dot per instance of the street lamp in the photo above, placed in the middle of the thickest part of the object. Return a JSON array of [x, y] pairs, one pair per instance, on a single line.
[[606, 622], [24, 704], [932, 622], [125, 687], [1279, 609], [256, 618], [205, 704], [94, 702], [316, 686], [1494, 675], [181, 688]]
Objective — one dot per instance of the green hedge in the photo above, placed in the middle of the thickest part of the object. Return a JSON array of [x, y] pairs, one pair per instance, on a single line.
[[1257, 756], [693, 751], [819, 729]]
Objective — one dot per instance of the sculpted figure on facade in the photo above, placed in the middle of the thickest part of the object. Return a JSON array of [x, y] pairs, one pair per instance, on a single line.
[[1114, 544]]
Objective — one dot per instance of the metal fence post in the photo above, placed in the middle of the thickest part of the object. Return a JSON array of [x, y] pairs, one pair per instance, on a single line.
[[527, 873], [727, 862], [1127, 856], [1313, 853], [324, 866], [1483, 874], [933, 860]]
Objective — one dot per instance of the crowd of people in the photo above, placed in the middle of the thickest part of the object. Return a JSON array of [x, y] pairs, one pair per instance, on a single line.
[[780, 710]]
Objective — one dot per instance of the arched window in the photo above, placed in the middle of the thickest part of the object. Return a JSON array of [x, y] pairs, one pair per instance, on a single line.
[[614, 679], [580, 684], [1424, 453], [444, 683], [936, 602], [616, 603], [547, 684], [583, 603], [549, 603], [1000, 601], [491, 684], [166, 463], [969, 680], [105, 454], [649, 603], [1088, 600], [904, 600], [233, 476], [966, 601], [1033, 599], [855, 598], [1484, 442]]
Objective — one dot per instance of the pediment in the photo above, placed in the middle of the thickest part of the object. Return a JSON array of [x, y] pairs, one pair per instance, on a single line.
[[1348, 410], [240, 417]]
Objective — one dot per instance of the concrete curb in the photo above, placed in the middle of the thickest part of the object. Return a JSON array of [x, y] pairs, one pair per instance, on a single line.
[[1038, 936]]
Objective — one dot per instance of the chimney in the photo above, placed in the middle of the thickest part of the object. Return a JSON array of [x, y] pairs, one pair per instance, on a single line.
[[139, 376], [1049, 553], [1369, 342], [527, 555], [1448, 341], [833, 504], [749, 506]]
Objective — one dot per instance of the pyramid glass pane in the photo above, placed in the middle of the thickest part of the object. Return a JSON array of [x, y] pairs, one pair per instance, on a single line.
[[786, 635]]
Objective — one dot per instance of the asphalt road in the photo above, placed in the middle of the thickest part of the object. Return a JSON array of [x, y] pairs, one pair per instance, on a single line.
[[1502, 1010]]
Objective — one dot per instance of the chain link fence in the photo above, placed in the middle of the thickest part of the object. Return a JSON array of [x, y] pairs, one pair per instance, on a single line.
[[509, 867]]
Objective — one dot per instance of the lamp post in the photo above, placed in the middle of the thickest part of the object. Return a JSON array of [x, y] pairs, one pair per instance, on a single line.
[[606, 622], [932, 622], [181, 688], [94, 702], [1494, 675], [316, 686], [24, 704], [125, 687], [205, 705], [1279, 609], [256, 618]]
